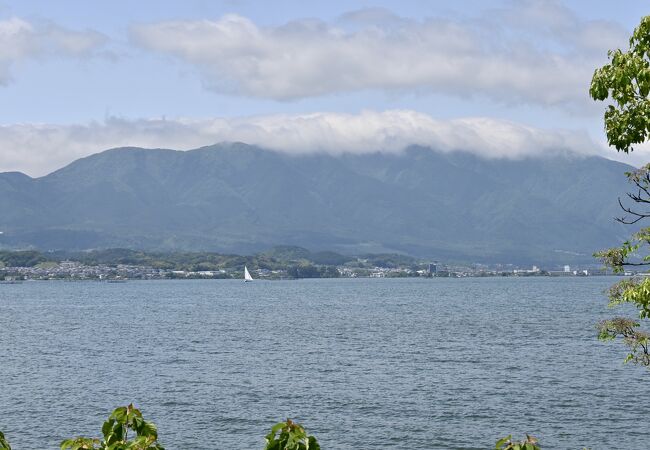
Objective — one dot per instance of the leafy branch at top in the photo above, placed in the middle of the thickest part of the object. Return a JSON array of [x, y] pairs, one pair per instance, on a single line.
[[626, 80]]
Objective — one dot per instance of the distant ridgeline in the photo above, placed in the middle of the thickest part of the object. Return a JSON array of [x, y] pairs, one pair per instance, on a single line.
[[235, 198]]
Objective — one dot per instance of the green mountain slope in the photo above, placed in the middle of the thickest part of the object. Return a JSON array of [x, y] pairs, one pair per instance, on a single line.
[[242, 199]]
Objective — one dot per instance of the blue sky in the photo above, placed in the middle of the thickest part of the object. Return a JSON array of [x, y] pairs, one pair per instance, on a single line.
[[77, 77]]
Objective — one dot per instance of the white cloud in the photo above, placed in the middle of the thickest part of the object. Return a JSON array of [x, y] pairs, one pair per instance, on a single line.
[[534, 52], [39, 149], [21, 40], [71, 43]]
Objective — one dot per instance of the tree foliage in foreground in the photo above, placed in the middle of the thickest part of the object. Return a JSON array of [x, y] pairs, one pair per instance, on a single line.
[[626, 81], [290, 436], [287, 435], [116, 431], [4, 445], [126, 429], [530, 443], [283, 436]]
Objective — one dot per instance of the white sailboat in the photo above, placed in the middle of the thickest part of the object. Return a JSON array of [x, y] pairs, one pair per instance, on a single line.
[[247, 275]]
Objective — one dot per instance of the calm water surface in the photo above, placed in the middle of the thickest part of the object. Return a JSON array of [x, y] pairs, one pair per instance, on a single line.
[[363, 364]]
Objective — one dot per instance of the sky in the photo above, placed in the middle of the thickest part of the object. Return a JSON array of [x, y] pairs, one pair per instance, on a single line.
[[503, 79]]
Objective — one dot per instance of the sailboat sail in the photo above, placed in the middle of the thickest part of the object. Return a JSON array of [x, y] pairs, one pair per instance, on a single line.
[[247, 275]]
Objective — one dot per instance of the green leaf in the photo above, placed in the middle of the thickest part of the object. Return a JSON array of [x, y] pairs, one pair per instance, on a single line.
[[120, 414], [501, 442], [4, 444]]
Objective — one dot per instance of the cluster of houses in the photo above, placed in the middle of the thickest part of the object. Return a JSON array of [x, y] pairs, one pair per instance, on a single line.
[[78, 271]]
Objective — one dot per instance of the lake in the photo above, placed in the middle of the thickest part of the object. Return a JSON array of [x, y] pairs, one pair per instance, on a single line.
[[361, 363]]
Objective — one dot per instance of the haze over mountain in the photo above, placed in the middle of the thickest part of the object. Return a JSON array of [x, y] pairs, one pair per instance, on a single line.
[[240, 198]]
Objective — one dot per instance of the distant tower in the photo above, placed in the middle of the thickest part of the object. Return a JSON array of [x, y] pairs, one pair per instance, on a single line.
[[567, 268], [433, 268]]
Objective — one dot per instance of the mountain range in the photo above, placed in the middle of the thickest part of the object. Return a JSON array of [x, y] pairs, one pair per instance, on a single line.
[[233, 197]]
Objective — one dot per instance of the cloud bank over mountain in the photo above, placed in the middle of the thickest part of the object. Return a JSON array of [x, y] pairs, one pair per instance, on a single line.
[[533, 52], [528, 60], [38, 149]]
